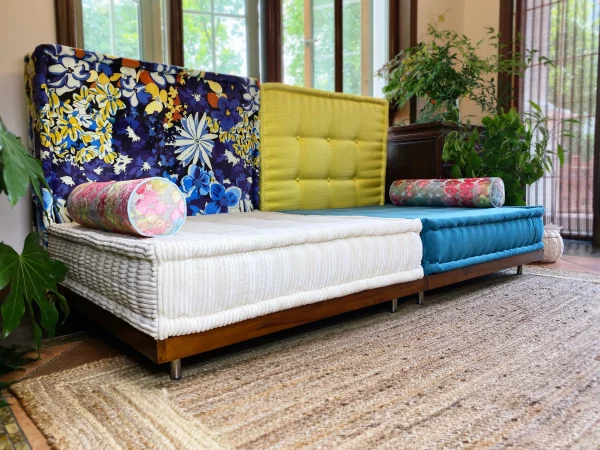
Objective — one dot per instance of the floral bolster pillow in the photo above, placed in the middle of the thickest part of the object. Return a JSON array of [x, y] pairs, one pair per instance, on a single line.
[[466, 192], [148, 207]]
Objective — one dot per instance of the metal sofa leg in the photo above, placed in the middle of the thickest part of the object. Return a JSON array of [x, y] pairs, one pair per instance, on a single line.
[[175, 369], [394, 305], [520, 269], [421, 298]]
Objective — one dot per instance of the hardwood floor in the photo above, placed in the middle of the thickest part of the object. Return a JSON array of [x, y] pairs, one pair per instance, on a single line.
[[73, 354], [34, 436], [580, 248], [576, 263]]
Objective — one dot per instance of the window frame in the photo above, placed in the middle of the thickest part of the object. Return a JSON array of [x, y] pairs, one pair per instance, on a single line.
[[252, 26], [165, 46], [265, 38], [69, 27], [273, 66]]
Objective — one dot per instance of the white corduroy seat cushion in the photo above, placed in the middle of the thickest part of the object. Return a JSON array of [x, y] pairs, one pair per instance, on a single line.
[[226, 268]]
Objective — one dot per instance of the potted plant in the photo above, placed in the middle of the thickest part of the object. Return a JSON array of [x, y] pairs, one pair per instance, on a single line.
[[444, 71], [509, 145], [448, 69], [29, 279]]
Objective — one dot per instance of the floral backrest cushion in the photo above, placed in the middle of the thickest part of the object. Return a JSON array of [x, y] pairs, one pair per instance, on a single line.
[[95, 117]]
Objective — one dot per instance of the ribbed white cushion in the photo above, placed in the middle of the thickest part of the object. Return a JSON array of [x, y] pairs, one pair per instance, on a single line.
[[226, 268]]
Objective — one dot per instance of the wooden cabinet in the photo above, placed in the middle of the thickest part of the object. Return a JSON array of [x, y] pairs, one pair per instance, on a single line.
[[415, 151]]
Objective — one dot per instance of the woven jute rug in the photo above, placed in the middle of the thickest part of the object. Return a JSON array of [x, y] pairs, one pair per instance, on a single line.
[[503, 361]]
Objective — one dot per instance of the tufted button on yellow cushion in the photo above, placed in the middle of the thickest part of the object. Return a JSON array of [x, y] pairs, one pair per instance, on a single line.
[[327, 158]]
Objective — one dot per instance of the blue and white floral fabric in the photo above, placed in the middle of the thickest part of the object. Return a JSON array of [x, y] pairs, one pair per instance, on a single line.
[[95, 117]]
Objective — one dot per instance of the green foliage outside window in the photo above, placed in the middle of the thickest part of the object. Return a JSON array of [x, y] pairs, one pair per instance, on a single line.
[[115, 30], [323, 27], [97, 27], [293, 42], [352, 47], [228, 33]]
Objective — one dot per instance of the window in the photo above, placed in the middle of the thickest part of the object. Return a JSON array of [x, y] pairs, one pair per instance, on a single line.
[[218, 35], [566, 31], [221, 36], [352, 56], [309, 44], [380, 46], [130, 28]]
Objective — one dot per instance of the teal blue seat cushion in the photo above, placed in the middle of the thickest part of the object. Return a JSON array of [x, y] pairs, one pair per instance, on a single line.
[[459, 237]]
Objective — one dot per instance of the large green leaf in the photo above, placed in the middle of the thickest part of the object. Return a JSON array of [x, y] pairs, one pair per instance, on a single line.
[[9, 259], [474, 161], [19, 167], [561, 154], [32, 276], [535, 106], [456, 173]]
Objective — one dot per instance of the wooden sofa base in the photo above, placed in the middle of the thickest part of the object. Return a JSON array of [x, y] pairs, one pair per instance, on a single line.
[[177, 347], [466, 273]]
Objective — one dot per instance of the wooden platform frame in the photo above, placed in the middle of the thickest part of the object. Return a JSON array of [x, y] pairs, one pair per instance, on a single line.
[[174, 348]]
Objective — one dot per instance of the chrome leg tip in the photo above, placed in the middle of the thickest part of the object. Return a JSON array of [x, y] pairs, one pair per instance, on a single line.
[[175, 370], [520, 269], [420, 298], [394, 305]]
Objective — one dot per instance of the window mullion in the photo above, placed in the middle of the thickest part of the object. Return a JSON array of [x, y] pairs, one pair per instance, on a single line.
[[309, 44], [111, 21], [252, 36], [338, 9], [145, 38], [78, 25], [366, 44], [213, 35], [151, 34]]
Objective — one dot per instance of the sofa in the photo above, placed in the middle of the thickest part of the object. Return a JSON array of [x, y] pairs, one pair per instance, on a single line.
[[285, 202]]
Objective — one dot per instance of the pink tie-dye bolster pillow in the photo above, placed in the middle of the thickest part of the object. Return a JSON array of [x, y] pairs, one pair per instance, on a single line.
[[146, 207], [466, 192]]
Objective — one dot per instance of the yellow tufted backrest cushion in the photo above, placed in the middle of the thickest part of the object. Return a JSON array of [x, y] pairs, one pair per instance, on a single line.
[[320, 149]]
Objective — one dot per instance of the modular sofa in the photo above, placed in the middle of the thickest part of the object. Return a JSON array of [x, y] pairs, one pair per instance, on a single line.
[[286, 223]]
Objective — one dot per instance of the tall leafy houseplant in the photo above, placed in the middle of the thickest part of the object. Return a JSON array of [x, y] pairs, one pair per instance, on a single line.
[[511, 146], [30, 277], [447, 69]]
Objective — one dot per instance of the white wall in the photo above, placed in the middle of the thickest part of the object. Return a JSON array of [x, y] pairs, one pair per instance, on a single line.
[[479, 14], [469, 17], [23, 25], [428, 12]]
